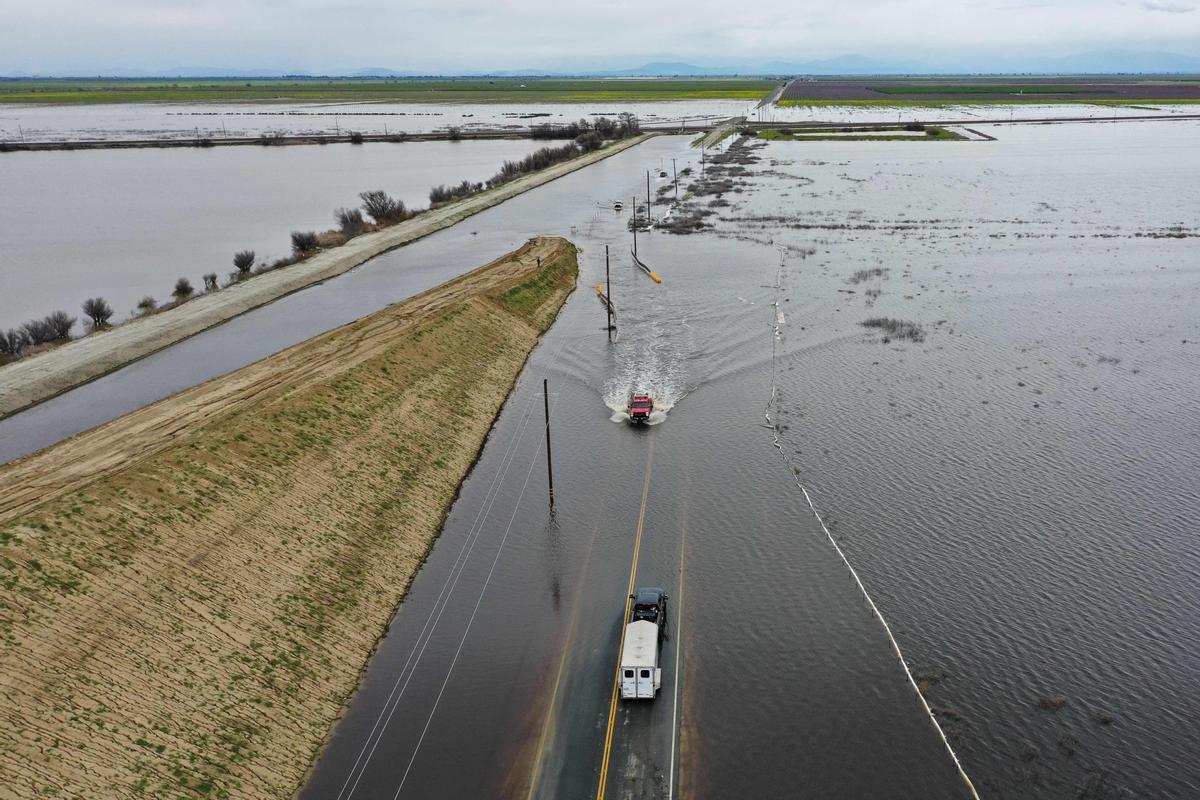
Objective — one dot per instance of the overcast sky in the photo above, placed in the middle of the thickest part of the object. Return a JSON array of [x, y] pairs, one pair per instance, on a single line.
[[330, 36]]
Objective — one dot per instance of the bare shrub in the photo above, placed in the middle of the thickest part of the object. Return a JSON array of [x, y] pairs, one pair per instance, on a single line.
[[866, 275], [304, 242], [60, 323], [592, 140], [147, 305], [98, 311], [36, 331], [12, 342], [455, 133], [381, 207], [210, 282], [444, 194], [1053, 703], [896, 327], [183, 290], [349, 220], [243, 260], [356, 137]]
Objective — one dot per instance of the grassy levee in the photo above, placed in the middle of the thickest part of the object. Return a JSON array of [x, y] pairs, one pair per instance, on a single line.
[[191, 591]]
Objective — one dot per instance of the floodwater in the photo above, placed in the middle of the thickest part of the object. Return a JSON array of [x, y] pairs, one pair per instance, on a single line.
[[1001, 111], [1017, 489], [127, 223], [34, 123]]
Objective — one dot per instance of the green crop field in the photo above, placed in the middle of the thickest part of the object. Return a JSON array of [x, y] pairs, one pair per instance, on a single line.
[[397, 90]]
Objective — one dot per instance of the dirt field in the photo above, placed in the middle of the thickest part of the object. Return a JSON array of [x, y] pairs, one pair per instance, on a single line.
[[30, 381], [190, 591]]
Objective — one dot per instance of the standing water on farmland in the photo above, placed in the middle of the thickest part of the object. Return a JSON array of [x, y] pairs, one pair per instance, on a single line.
[[127, 223]]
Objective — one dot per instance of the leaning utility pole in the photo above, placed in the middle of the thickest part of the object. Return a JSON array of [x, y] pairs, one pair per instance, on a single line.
[[675, 177], [647, 195], [549, 465]]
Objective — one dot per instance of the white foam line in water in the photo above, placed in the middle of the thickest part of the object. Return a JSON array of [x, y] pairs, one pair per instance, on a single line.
[[854, 574]]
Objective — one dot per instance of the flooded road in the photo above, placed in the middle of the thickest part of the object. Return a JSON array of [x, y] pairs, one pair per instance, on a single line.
[[123, 224], [496, 677], [1015, 486]]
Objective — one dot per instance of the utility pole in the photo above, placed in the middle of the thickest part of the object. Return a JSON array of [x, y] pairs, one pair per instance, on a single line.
[[675, 177], [549, 464], [608, 291], [647, 195]]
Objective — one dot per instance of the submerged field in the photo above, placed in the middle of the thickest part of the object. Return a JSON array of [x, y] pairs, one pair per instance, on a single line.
[[1044, 91], [987, 379], [416, 90], [191, 590]]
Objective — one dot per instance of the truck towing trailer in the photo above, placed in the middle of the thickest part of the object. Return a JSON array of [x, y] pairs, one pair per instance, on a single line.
[[641, 676]]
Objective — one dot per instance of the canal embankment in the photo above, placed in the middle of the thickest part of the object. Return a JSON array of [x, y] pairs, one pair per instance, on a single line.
[[195, 587], [29, 381]]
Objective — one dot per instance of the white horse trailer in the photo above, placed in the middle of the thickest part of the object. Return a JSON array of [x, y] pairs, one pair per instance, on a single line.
[[641, 676]]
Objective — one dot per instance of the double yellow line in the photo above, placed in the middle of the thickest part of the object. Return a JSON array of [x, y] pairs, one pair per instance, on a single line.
[[637, 550]]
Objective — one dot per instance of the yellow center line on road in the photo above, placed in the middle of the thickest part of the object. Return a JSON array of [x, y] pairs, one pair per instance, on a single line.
[[637, 550]]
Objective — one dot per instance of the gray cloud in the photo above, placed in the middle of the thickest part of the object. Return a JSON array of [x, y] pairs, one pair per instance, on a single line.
[[86, 37], [1170, 8]]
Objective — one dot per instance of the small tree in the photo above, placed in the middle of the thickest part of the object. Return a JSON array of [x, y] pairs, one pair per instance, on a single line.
[[36, 331], [147, 305], [304, 242], [350, 220], [60, 324], [98, 310], [12, 342], [356, 137], [243, 260], [592, 140], [455, 133], [380, 207], [183, 290], [210, 282]]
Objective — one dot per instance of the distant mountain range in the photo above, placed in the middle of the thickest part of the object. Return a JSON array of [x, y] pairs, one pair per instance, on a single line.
[[1099, 62]]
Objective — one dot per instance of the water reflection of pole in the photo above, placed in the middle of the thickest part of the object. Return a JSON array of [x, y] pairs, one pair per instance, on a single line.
[[608, 291], [634, 225], [549, 465]]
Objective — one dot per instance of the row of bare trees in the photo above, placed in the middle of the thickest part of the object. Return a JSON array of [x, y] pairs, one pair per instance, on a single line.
[[607, 128], [53, 327]]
